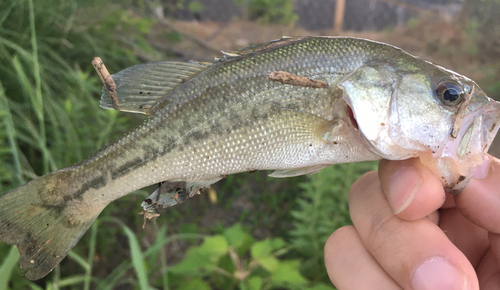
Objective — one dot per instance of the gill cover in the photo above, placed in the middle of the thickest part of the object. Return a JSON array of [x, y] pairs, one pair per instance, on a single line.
[[369, 92]]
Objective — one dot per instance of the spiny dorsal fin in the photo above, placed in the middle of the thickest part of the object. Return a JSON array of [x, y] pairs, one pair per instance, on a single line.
[[141, 86], [232, 54]]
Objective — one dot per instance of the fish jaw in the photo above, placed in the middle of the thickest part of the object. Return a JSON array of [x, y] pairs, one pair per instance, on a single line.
[[398, 116], [461, 156], [370, 109]]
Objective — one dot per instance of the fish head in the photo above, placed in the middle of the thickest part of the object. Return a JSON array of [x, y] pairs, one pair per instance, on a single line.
[[423, 110]]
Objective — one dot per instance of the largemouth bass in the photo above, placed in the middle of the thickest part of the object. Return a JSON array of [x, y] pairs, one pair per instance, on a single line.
[[294, 105]]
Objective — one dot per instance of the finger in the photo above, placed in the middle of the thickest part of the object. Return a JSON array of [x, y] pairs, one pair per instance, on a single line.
[[434, 217], [489, 272], [350, 266], [466, 236], [416, 254], [495, 246], [480, 200], [412, 190]]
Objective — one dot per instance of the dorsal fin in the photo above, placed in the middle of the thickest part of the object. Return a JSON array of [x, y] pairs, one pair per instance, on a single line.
[[141, 86], [232, 54]]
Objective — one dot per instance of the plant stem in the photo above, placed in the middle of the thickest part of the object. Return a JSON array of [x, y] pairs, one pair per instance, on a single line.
[[38, 89]]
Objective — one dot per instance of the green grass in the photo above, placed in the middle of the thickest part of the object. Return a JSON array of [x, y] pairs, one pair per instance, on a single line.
[[49, 113]]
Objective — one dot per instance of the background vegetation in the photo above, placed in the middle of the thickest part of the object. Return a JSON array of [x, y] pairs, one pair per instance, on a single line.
[[250, 232]]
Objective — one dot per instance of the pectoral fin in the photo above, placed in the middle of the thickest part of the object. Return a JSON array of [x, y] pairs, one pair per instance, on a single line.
[[298, 171]]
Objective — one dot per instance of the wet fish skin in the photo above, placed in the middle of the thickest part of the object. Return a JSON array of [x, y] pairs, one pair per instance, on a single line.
[[228, 118]]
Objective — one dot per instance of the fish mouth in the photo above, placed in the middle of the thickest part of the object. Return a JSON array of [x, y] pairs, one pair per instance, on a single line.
[[476, 134], [491, 123], [463, 154], [351, 117]]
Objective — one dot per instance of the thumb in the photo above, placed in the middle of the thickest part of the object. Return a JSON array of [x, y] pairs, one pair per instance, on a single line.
[[411, 189]]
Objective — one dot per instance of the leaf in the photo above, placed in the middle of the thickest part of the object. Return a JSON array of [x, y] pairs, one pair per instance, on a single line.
[[288, 273], [236, 236], [255, 283], [215, 247], [203, 259], [261, 249], [277, 243], [194, 264], [196, 6], [321, 287], [270, 263], [262, 253], [6, 268], [195, 284], [137, 259]]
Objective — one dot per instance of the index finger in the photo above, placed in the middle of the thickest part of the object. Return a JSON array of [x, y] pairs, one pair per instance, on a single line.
[[480, 200]]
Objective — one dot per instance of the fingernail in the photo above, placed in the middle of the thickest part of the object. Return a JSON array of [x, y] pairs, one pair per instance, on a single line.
[[438, 273], [403, 186], [483, 169]]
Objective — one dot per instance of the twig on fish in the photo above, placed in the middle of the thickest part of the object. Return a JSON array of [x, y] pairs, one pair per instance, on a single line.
[[107, 80], [295, 80], [457, 123], [148, 216]]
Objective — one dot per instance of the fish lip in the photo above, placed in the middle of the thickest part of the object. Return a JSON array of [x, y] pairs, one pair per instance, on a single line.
[[491, 123], [464, 154], [488, 117]]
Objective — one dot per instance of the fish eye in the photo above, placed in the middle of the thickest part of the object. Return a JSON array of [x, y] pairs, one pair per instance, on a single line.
[[449, 93]]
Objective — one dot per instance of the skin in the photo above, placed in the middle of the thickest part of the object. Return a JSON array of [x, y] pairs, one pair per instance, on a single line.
[[409, 234]]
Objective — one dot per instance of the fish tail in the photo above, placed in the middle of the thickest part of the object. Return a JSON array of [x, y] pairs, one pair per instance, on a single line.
[[37, 217]]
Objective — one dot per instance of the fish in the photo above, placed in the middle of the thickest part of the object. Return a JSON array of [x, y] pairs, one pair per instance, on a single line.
[[294, 105]]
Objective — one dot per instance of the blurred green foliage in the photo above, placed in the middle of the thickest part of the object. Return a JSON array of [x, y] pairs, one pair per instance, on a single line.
[[483, 26], [322, 206], [234, 260], [268, 11], [272, 11], [47, 81], [49, 114], [192, 6]]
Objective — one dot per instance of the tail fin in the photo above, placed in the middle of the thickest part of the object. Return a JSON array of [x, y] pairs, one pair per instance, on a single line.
[[35, 217]]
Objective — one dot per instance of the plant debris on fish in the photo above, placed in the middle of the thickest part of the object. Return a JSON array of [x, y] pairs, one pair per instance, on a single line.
[[294, 105]]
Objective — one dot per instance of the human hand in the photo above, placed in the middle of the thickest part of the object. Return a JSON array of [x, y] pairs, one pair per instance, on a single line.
[[409, 234]]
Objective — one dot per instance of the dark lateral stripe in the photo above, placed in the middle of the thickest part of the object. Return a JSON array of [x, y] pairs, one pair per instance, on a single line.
[[127, 167], [95, 183]]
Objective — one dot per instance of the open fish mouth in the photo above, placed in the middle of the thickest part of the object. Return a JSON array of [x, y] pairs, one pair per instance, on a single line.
[[462, 155], [491, 124], [352, 119]]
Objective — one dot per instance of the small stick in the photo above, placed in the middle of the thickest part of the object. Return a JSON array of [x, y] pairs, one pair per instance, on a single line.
[[295, 80], [107, 80], [148, 216]]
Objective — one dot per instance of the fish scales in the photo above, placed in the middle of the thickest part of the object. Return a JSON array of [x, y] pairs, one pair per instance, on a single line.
[[212, 120], [225, 89]]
